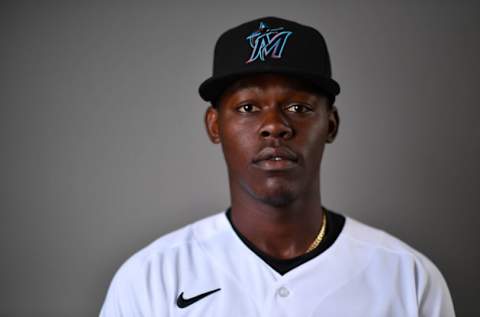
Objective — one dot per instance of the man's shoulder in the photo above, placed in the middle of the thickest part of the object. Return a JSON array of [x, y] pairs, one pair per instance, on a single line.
[[393, 255], [384, 244], [174, 242], [376, 238]]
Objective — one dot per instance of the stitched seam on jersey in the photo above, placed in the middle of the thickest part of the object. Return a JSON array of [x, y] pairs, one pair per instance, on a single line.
[[380, 247], [342, 285], [384, 235], [226, 273], [174, 243], [230, 276], [145, 259], [162, 249]]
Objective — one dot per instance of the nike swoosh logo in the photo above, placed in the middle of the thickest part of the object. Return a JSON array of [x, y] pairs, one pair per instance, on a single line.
[[185, 302]]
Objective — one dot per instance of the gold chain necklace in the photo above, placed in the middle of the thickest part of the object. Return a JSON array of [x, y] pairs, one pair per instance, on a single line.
[[320, 235]]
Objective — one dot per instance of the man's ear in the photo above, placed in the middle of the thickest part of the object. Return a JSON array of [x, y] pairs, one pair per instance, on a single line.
[[211, 124], [333, 124]]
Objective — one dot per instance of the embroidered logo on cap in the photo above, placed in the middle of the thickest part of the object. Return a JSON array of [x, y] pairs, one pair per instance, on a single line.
[[266, 41]]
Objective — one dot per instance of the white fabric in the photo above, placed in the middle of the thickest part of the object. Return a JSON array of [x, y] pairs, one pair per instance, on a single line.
[[366, 272]]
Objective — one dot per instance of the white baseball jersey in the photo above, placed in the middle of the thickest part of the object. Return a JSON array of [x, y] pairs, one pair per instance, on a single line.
[[204, 269]]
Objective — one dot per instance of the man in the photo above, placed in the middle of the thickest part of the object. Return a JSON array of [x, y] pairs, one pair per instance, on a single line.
[[276, 251]]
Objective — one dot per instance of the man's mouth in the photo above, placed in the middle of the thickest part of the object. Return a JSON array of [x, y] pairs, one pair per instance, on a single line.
[[276, 159]]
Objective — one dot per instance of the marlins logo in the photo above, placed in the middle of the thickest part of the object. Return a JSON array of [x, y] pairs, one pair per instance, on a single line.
[[266, 41]]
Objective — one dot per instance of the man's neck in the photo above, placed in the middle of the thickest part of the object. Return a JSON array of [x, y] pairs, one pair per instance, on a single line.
[[280, 231]]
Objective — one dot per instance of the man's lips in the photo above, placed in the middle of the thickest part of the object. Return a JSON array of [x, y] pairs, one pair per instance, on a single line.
[[276, 153], [278, 158]]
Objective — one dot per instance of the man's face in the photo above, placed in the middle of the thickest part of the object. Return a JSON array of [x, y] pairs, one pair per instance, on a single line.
[[273, 130]]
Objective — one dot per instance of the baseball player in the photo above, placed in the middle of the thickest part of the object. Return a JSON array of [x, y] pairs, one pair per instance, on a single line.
[[276, 251]]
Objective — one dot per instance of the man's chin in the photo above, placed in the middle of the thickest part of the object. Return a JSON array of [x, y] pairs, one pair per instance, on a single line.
[[278, 200], [278, 196]]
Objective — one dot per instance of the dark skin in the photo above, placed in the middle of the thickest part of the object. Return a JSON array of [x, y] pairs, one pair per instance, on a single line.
[[273, 130]]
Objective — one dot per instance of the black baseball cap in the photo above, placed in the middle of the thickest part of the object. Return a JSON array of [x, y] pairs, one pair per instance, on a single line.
[[270, 45]]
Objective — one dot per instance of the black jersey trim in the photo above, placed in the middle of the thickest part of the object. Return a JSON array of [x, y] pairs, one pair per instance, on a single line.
[[335, 223]]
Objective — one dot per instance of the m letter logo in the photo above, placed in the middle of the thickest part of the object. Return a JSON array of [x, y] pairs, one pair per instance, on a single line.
[[267, 42]]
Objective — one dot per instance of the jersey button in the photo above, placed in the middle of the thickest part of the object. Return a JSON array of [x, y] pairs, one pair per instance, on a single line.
[[283, 292]]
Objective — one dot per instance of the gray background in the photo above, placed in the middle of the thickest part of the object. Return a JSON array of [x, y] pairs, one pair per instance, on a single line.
[[103, 147]]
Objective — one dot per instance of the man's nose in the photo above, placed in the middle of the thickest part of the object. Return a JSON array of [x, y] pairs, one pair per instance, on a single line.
[[276, 125]]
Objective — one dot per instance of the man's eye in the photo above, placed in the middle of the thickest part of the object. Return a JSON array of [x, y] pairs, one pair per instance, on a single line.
[[248, 107], [298, 108]]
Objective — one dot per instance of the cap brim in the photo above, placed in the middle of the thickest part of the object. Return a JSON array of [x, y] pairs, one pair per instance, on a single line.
[[212, 88]]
